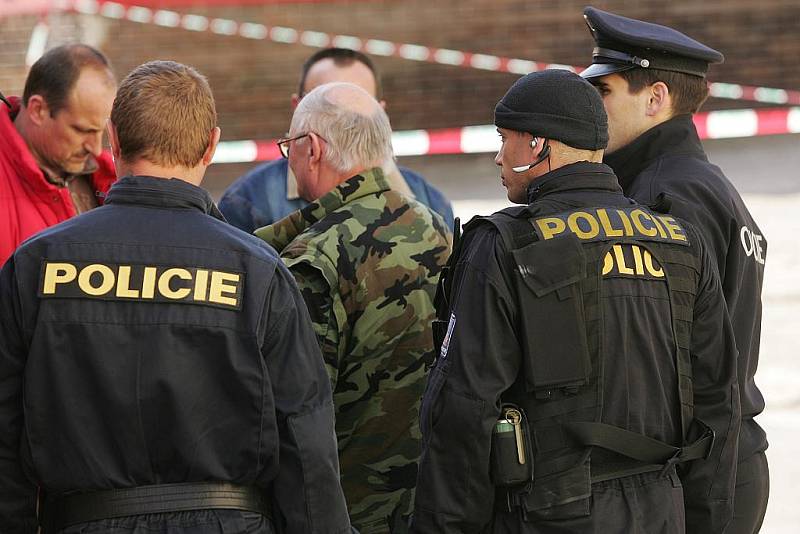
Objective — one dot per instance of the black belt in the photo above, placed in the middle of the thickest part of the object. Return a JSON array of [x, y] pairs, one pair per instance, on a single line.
[[59, 512], [640, 447]]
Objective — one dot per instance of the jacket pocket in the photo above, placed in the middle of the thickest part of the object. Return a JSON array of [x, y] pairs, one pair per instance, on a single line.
[[549, 275]]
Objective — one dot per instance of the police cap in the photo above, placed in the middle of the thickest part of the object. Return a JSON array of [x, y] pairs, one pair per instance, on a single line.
[[624, 44]]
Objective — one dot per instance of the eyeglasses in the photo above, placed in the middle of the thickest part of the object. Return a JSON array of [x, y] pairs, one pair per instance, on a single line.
[[283, 144]]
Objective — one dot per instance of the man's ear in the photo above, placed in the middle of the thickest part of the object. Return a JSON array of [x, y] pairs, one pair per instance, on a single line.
[[659, 99], [213, 141], [295, 101], [37, 109], [316, 148], [116, 151], [113, 139]]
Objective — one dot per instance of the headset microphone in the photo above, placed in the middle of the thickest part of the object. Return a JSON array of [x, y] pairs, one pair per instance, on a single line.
[[542, 156]]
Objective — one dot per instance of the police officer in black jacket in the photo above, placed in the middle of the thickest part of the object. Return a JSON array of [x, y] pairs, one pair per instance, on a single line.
[[652, 79], [158, 369], [586, 380]]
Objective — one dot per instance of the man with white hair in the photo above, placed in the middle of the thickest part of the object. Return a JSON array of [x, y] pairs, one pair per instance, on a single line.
[[366, 259]]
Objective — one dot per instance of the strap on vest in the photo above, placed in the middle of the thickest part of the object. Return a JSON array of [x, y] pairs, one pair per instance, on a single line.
[[640, 447], [65, 510], [514, 227], [443, 297]]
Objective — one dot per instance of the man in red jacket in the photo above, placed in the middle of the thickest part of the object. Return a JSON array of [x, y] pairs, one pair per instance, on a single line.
[[51, 162]]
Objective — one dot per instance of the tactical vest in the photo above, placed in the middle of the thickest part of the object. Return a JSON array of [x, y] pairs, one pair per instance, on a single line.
[[557, 270]]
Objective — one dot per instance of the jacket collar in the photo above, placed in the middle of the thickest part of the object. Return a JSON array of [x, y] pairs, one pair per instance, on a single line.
[[283, 232], [582, 175], [676, 136], [162, 193]]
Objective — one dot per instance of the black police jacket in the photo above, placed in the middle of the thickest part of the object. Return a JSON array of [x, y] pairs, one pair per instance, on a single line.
[[488, 358], [669, 159], [149, 342]]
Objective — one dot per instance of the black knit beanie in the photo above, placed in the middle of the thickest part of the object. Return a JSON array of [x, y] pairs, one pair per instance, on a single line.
[[555, 104]]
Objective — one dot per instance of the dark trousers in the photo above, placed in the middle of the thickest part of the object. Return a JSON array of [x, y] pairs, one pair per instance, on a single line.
[[638, 504], [199, 522], [752, 493]]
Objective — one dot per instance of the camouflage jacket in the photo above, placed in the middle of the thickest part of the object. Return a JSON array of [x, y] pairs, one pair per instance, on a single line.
[[367, 260]]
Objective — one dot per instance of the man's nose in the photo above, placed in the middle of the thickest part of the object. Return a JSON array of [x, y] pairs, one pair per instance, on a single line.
[[94, 144]]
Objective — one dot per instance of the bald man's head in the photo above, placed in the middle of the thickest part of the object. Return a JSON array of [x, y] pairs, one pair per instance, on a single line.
[[350, 97], [328, 71], [352, 123]]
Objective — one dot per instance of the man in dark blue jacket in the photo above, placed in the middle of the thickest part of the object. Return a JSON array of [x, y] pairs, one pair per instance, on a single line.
[[652, 79], [158, 368], [268, 193]]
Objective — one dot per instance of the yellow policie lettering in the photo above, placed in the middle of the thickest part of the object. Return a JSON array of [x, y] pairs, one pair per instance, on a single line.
[[608, 228], [173, 283], [106, 279], [651, 268], [575, 217], [674, 229], [602, 223], [626, 223], [550, 227], [638, 216], [58, 273], [617, 262], [219, 287], [149, 283], [124, 283], [201, 286], [166, 278]]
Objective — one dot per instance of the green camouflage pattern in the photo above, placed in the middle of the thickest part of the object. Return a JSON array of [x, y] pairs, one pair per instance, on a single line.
[[367, 260]]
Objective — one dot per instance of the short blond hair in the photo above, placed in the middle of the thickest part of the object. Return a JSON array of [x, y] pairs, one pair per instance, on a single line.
[[164, 113]]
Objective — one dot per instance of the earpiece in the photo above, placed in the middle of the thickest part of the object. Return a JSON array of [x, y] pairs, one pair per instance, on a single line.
[[534, 142], [543, 154]]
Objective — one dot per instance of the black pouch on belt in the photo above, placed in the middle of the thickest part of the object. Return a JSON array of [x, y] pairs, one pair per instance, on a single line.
[[512, 454]]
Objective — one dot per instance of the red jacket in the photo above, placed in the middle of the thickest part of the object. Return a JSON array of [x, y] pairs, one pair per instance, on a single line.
[[28, 202]]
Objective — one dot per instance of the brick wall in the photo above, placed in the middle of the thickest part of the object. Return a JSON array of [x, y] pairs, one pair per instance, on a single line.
[[253, 80]]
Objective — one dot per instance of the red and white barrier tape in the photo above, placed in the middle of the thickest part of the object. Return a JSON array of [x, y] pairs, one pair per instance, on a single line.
[[483, 139], [377, 47]]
